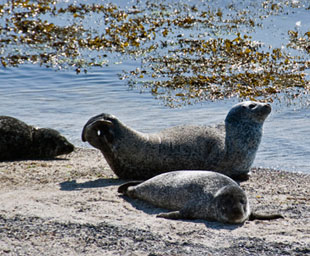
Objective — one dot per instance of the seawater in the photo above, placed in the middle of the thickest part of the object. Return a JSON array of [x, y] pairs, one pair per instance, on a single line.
[[64, 101]]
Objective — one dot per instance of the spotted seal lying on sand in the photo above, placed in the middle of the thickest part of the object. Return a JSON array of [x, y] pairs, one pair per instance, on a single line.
[[228, 148], [195, 195], [21, 141]]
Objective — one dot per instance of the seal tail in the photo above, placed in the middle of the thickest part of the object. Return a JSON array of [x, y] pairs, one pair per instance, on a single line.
[[257, 216], [101, 124], [122, 189]]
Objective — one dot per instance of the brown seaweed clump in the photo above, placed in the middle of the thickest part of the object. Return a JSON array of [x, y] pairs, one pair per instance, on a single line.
[[188, 53]]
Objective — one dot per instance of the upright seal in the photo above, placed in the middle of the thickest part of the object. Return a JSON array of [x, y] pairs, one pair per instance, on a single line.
[[21, 141], [228, 148], [195, 195]]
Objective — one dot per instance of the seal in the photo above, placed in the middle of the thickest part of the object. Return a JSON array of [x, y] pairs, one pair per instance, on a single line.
[[195, 195], [228, 148], [21, 141]]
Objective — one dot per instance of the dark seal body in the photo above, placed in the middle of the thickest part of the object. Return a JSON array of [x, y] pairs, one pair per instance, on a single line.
[[21, 141], [228, 148], [194, 195]]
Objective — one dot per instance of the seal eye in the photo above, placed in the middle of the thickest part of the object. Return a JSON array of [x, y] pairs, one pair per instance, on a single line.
[[251, 106]]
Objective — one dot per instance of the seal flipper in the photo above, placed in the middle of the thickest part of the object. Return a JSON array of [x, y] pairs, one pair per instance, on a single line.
[[257, 216], [123, 189], [101, 127], [176, 215], [185, 213]]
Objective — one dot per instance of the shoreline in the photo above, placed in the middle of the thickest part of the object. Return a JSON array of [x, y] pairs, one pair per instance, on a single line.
[[70, 206]]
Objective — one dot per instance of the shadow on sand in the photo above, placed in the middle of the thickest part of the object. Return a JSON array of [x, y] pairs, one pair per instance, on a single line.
[[73, 185], [153, 210]]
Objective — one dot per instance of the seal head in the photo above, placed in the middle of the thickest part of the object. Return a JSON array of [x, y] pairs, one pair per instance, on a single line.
[[231, 205], [248, 112], [48, 143], [21, 141]]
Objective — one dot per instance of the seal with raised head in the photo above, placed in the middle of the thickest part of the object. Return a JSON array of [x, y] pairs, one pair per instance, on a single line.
[[21, 141], [228, 148], [195, 195]]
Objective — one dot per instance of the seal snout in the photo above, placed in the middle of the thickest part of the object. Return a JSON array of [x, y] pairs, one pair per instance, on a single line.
[[239, 212], [66, 148], [267, 107], [263, 111]]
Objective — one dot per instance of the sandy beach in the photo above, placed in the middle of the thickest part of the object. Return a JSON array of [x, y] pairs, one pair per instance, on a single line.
[[70, 206]]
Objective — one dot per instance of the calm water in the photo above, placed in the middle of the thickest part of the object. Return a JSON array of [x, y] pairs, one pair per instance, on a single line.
[[65, 101]]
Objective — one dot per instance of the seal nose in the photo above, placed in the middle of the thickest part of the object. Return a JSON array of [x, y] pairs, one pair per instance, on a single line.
[[68, 148], [267, 107], [236, 212]]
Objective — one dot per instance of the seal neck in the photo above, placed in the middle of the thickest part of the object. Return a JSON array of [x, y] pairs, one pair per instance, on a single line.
[[242, 141]]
